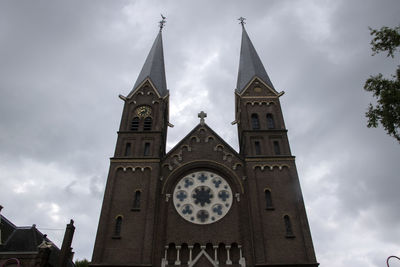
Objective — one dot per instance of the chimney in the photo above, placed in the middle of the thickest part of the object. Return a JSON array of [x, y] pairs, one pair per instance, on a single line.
[[66, 250]]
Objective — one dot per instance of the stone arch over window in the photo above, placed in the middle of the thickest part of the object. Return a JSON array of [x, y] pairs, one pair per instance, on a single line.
[[227, 173], [288, 226], [11, 262], [135, 124], [136, 200], [268, 199], [255, 123], [270, 121], [148, 121], [118, 226]]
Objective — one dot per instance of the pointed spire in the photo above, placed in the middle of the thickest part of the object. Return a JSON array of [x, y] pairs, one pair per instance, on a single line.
[[250, 64], [153, 67]]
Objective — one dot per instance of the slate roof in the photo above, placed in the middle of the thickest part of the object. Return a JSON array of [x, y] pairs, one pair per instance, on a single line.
[[7, 228], [250, 64], [23, 239], [154, 68], [26, 239]]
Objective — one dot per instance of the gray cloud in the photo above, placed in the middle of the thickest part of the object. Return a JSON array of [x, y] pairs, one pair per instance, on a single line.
[[64, 63]]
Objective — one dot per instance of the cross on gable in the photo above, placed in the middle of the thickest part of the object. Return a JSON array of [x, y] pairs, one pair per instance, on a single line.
[[202, 115]]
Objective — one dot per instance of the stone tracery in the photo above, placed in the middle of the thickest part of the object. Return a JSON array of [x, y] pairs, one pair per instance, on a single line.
[[202, 197]]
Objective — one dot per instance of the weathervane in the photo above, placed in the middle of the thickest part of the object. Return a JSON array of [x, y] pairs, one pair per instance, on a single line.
[[162, 22], [242, 21]]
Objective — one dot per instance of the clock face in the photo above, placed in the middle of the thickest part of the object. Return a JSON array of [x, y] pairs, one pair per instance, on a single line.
[[143, 111], [202, 197]]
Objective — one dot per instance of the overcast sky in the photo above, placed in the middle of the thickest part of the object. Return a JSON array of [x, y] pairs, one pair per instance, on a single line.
[[63, 64]]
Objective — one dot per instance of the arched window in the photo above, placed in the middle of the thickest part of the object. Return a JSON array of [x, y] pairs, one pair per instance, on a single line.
[[268, 200], [257, 147], [277, 149], [136, 201], [135, 124], [147, 124], [118, 224], [270, 121], [255, 123], [128, 148], [146, 151], [288, 226]]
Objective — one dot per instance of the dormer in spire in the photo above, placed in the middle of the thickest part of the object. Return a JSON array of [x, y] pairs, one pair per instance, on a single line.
[[153, 69], [250, 65]]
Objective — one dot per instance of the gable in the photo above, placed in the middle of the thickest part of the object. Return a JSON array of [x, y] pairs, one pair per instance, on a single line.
[[203, 148], [205, 142], [257, 87], [147, 85]]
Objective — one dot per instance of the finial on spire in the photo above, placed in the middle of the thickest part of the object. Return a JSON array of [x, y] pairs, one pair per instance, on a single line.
[[202, 115], [241, 19], [162, 22]]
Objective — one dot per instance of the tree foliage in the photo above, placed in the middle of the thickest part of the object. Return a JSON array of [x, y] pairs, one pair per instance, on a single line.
[[82, 263], [387, 91]]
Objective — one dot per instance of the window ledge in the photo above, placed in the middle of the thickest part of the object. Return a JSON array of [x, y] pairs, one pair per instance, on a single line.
[[116, 237], [290, 236], [270, 208], [135, 209]]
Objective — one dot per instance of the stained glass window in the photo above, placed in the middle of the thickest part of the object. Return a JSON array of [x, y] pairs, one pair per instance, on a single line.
[[202, 197], [147, 124]]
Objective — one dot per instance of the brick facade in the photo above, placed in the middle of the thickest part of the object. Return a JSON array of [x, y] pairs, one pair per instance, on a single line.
[[266, 224]]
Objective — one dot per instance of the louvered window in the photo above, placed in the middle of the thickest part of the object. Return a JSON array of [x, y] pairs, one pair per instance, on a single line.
[[147, 124], [135, 124]]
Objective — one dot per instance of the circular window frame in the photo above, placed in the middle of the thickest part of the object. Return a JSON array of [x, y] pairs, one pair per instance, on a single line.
[[210, 191]]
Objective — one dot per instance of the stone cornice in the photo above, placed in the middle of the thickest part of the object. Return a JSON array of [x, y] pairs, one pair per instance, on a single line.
[[134, 160], [274, 158]]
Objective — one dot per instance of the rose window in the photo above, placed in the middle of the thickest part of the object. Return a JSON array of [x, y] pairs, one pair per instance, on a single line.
[[202, 197]]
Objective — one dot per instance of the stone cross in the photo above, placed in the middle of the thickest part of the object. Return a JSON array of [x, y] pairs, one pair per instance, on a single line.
[[202, 115]]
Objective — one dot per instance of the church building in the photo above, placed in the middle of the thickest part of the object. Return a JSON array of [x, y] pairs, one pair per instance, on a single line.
[[203, 203]]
